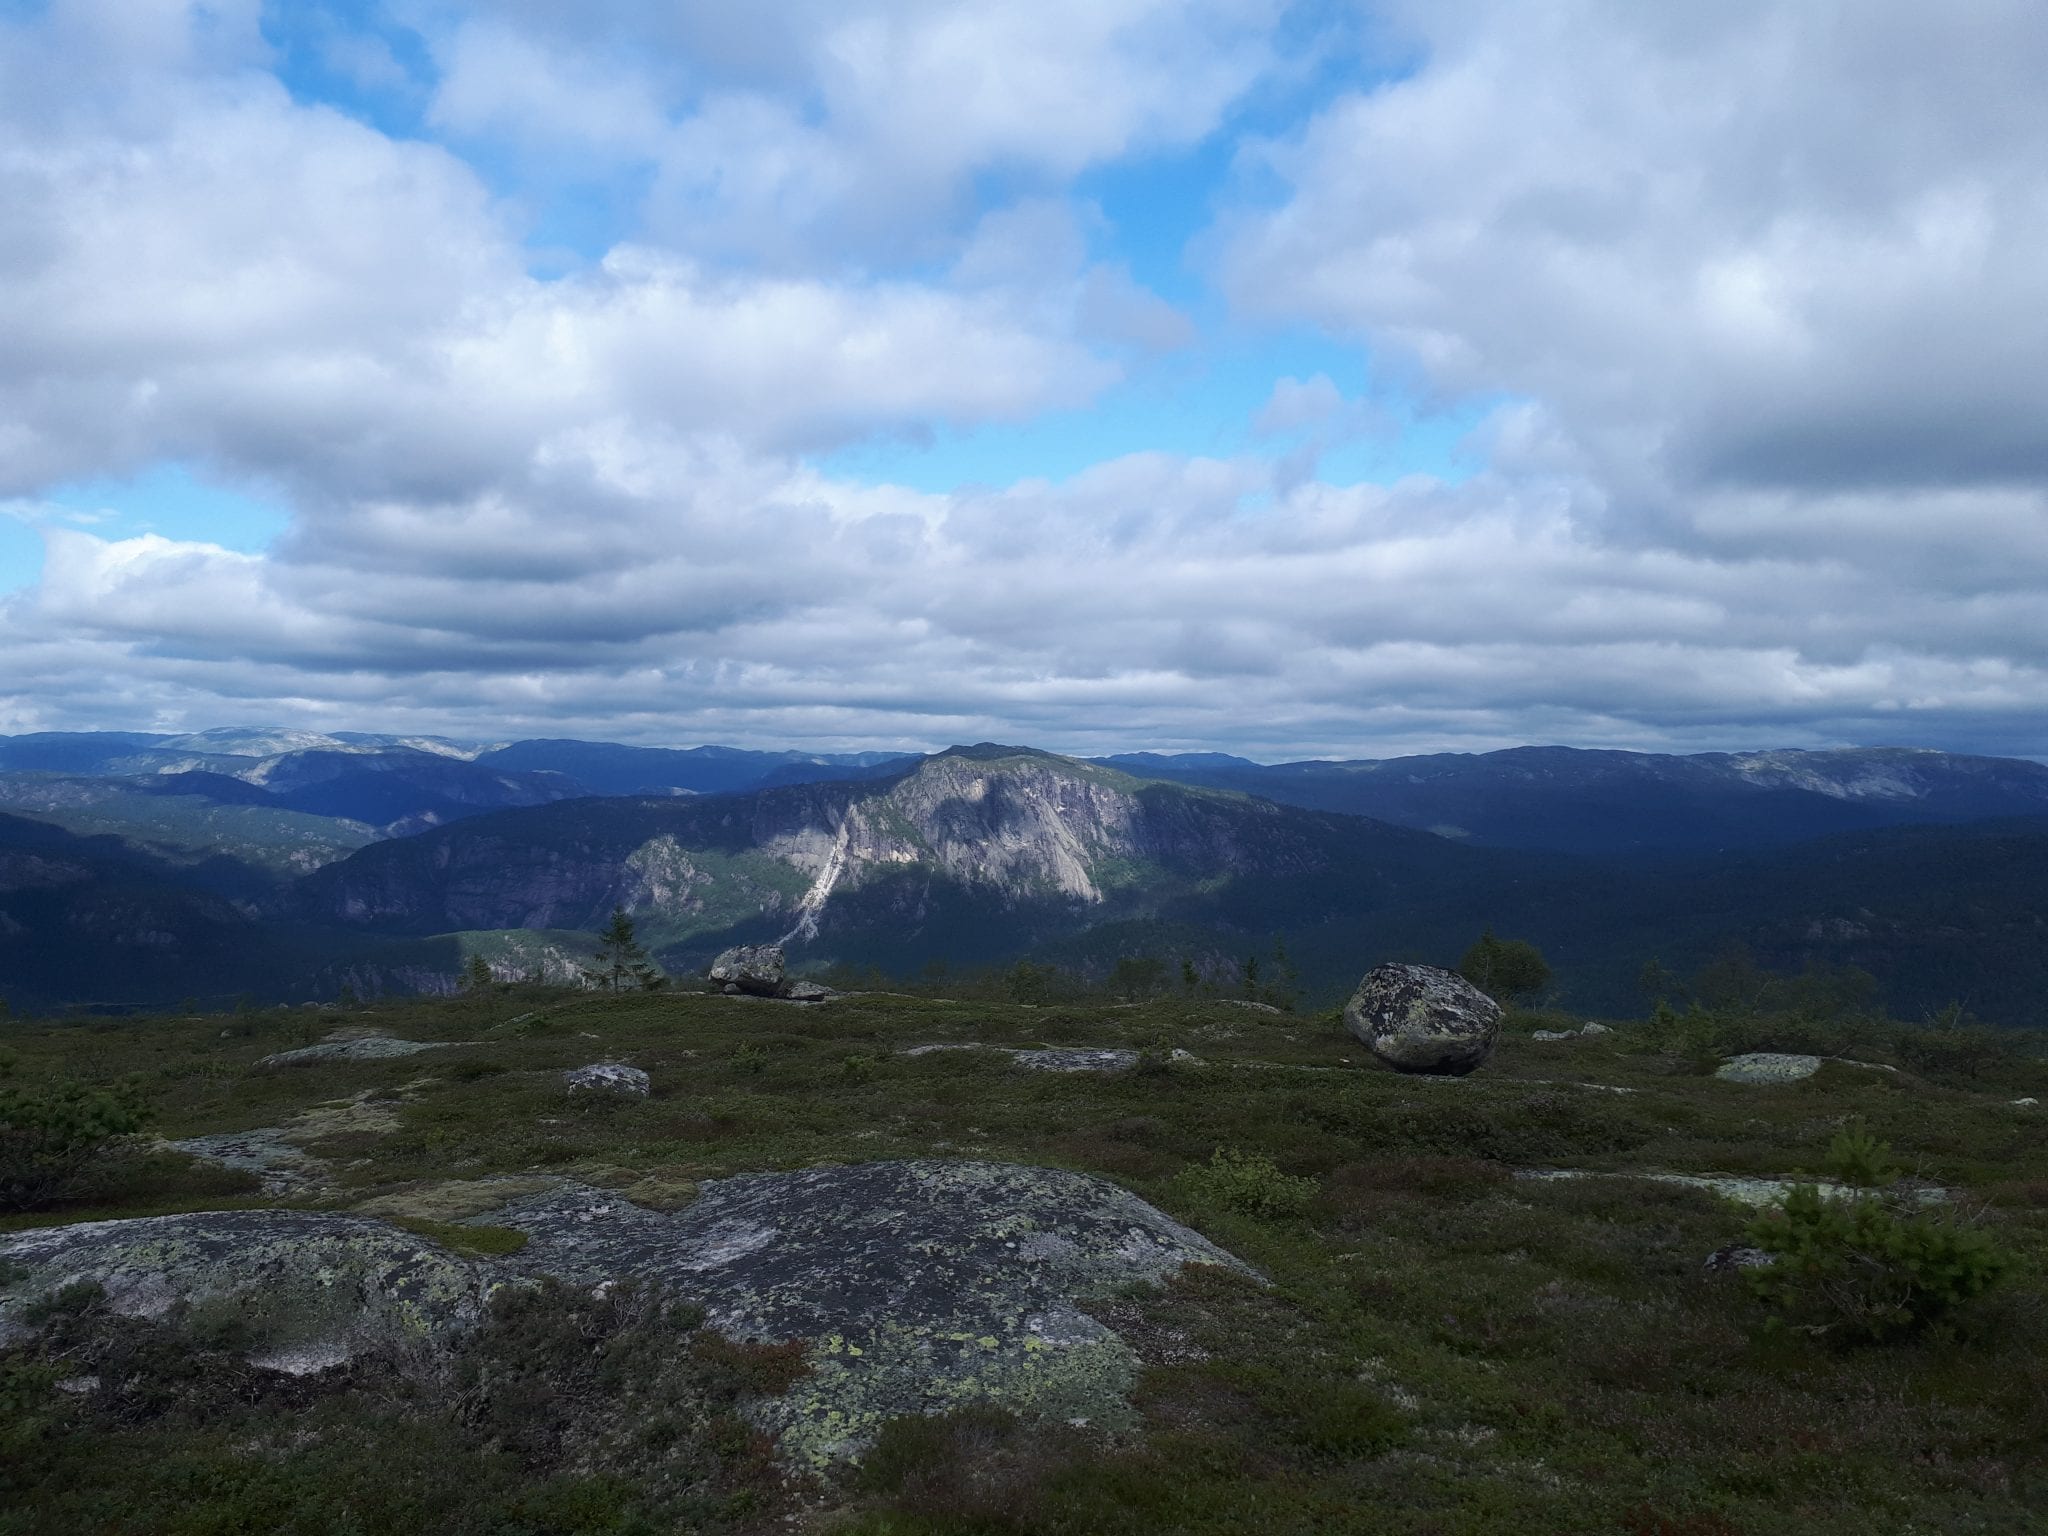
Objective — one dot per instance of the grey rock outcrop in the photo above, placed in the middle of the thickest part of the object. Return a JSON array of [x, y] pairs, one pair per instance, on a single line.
[[315, 1289], [919, 1286], [758, 969], [362, 1048], [609, 1077], [1421, 1018]]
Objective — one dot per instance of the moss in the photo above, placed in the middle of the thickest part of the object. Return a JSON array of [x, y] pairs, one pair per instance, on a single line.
[[466, 1237]]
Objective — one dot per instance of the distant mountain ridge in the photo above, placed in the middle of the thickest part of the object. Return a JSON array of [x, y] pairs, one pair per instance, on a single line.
[[962, 855], [1612, 803], [977, 855]]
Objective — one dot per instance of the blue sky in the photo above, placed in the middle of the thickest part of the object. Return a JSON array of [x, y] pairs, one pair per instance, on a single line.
[[887, 372]]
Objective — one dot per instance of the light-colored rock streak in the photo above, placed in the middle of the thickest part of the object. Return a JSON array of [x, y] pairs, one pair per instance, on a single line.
[[814, 899]]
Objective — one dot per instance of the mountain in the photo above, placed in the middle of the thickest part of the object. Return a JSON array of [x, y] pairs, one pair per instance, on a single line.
[[1631, 804], [394, 787], [974, 854], [219, 833], [605, 768], [1937, 914], [90, 918], [404, 789]]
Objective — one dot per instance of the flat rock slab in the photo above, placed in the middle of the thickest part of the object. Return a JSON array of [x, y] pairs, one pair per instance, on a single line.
[[1743, 1189], [282, 1167], [364, 1048], [1056, 1058], [315, 1288], [920, 1286], [1767, 1067], [1778, 1067]]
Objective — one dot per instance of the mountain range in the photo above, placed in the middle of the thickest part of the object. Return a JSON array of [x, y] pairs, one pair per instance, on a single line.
[[146, 868]]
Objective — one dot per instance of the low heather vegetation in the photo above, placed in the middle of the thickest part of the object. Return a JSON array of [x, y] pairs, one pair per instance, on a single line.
[[1450, 1343]]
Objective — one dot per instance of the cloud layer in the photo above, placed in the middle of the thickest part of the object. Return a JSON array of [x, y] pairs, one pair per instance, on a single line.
[[1755, 294]]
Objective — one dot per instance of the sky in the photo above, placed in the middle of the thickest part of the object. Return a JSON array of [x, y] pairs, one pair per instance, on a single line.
[[1284, 377]]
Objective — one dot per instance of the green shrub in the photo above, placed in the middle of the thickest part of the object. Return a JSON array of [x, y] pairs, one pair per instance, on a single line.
[[857, 1068], [47, 1135], [1249, 1183], [750, 1057], [1860, 1269], [1857, 1157]]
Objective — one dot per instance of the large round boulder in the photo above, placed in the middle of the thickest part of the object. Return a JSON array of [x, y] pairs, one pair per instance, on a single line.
[[758, 969], [1422, 1018]]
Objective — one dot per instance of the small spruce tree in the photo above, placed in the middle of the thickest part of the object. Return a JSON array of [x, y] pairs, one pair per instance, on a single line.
[[622, 961], [476, 975]]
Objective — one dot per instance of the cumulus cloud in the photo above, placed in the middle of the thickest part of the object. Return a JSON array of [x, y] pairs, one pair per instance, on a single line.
[[1756, 288], [808, 130], [1735, 246]]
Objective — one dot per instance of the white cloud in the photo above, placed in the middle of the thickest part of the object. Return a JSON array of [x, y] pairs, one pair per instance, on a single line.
[[1760, 283], [1736, 245]]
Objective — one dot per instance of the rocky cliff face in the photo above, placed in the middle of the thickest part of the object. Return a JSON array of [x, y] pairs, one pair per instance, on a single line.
[[1009, 825]]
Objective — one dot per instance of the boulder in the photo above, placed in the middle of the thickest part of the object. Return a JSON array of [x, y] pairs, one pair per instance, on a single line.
[[1555, 1034], [807, 992], [1421, 1018], [609, 1077], [758, 969], [1595, 1029]]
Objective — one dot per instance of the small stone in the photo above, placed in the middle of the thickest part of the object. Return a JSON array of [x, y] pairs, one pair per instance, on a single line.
[[1595, 1029], [609, 1077], [2025, 1103], [807, 992], [1422, 1018], [1555, 1034], [1736, 1256]]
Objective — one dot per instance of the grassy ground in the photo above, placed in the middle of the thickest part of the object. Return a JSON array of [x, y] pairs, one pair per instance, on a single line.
[[1446, 1348]]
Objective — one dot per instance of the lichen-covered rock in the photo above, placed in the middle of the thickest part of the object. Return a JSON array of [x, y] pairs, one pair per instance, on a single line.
[[807, 992], [1421, 1018], [1767, 1067], [1075, 1059], [362, 1048], [1554, 1034], [755, 968], [315, 1289], [920, 1285], [609, 1077]]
